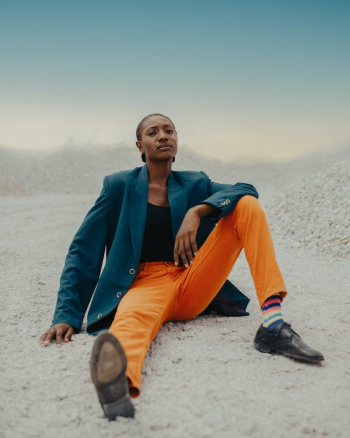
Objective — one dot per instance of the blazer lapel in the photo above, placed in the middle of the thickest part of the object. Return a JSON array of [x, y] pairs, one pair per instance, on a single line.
[[177, 197], [138, 211]]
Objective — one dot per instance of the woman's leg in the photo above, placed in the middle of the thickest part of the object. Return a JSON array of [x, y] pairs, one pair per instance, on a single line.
[[245, 227], [140, 314]]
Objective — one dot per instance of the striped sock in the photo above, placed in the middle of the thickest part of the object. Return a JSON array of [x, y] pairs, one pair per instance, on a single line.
[[272, 312]]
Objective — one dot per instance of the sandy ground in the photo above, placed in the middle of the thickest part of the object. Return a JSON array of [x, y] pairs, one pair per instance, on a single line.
[[201, 378]]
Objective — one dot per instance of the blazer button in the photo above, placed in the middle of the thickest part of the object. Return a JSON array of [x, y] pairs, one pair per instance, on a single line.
[[132, 271], [99, 316], [119, 294]]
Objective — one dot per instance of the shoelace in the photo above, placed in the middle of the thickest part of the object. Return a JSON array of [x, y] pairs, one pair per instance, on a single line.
[[289, 326]]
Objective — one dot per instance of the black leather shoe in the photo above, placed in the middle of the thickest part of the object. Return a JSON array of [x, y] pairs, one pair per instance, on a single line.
[[283, 340], [108, 367]]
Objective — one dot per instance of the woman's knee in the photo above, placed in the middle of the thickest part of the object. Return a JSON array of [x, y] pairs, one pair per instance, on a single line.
[[251, 204], [249, 200]]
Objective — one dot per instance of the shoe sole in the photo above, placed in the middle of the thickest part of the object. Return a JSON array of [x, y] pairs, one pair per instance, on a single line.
[[108, 366], [266, 349]]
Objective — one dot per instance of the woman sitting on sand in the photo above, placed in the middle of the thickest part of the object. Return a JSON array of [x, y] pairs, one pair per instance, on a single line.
[[166, 261]]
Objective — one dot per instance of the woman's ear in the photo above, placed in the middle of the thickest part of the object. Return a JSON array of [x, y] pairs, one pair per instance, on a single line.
[[139, 146]]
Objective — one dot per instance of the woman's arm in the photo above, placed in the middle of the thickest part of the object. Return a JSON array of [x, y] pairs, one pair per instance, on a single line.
[[83, 264], [221, 201], [226, 196]]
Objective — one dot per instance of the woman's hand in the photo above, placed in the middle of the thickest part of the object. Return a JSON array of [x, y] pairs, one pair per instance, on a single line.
[[57, 331], [185, 242]]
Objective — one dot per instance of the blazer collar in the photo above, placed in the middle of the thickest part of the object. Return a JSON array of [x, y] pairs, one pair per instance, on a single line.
[[177, 197], [142, 182]]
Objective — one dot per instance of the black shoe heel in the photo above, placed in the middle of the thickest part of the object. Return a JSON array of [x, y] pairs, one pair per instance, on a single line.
[[263, 348], [108, 365], [121, 408]]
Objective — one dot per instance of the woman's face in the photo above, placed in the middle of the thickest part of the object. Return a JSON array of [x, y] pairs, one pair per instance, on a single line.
[[158, 139]]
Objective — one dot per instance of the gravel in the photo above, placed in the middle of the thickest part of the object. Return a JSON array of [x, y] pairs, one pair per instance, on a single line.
[[201, 378], [315, 213]]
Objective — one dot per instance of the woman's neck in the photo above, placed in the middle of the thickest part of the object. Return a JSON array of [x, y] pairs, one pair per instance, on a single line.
[[158, 173]]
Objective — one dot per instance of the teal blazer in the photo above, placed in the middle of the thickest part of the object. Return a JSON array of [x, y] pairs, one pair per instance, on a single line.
[[115, 224]]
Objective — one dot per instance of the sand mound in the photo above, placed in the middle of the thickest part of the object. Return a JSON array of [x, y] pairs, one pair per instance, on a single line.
[[81, 168], [9, 187], [315, 213]]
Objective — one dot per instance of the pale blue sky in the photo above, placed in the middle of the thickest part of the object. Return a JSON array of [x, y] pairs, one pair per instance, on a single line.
[[266, 79]]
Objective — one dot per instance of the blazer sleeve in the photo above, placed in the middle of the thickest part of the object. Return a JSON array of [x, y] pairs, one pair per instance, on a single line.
[[226, 196], [83, 264]]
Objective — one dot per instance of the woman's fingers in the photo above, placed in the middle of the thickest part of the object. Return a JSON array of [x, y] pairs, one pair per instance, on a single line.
[[42, 338], [59, 337], [186, 246], [179, 251], [194, 244], [69, 334], [183, 257], [58, 331], [188, 249], [176, 252], [49, 336], [46, 337], [183, 251]]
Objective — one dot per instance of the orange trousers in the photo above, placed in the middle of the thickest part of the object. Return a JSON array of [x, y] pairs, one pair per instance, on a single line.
[[164, 292]]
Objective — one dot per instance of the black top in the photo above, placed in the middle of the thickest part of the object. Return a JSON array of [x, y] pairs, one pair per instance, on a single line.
[[158, 240]]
